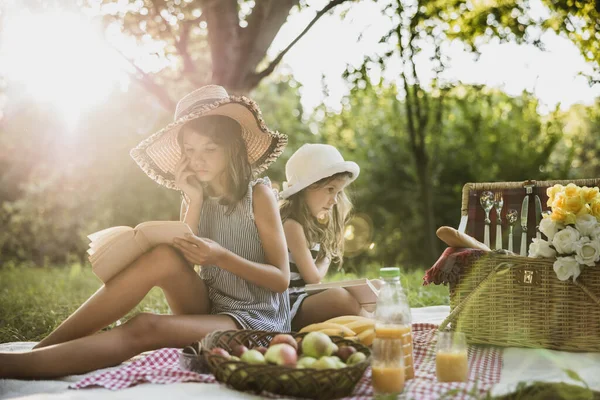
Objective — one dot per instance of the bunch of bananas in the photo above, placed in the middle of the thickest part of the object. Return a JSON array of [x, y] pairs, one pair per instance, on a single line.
[[351, 327]]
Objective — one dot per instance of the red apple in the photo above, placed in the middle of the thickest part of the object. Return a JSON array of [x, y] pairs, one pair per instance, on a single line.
[[345, 352], [284, 338], [262, 349], [220, 352], [281, 354], [239, 350]]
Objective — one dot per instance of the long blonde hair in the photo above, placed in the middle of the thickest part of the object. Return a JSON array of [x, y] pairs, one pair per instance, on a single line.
[[329, 233]]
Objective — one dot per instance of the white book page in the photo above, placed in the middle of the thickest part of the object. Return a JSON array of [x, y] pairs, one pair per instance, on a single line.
[[105, 236], [158, 232]]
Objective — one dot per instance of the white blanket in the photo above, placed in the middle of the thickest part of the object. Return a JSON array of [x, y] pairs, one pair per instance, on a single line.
[[519, 365]]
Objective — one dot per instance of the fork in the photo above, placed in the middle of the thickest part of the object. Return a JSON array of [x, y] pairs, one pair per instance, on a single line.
[[498, 204], [487, 202]]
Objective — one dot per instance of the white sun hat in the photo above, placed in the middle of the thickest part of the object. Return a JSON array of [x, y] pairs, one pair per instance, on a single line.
[[158, 155], [311, 163]]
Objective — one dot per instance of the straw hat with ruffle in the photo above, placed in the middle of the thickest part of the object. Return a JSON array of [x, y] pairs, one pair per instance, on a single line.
[[159, 154]]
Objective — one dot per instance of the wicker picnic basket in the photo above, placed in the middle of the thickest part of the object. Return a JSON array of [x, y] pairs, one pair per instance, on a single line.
[[306, 383], [508, 300]]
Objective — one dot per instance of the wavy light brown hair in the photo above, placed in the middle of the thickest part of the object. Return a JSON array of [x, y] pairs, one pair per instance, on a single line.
[[226, 132], [329, 233]]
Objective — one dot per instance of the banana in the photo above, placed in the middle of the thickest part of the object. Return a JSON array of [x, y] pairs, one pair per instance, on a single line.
[[353, 338], [366, 337], [361, 325], [333, 332], [346, 319], [328, 325]]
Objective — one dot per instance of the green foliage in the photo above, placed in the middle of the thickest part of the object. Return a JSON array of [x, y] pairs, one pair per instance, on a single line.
[[484, 135]]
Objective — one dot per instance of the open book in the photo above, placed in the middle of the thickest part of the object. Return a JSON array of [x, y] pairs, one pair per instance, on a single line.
[[114, 248], [362, 290]]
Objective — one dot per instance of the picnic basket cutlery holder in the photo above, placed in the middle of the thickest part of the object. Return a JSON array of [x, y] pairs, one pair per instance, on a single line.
[[306, 383], [507, 300]]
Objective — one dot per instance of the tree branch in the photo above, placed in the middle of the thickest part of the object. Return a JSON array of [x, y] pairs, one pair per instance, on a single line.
[[264, 23], [271, 67], [148, 83]]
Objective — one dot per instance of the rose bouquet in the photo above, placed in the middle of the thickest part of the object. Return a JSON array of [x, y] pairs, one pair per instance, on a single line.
[[572, 230]]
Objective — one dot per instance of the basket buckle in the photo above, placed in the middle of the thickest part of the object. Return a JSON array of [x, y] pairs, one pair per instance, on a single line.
[[527, 276]]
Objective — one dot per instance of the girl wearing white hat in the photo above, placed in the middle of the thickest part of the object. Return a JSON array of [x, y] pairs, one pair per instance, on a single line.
[[211, 153], [314, 211]]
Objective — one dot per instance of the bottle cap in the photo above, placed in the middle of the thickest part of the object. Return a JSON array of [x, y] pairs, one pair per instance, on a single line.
[[389, 272]]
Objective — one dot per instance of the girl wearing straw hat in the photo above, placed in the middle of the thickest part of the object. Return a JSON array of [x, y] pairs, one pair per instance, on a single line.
[[211, 152], [314, 211]]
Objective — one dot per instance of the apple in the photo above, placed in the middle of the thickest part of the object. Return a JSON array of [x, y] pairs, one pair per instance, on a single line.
[[317, 345], [219, 351], [306, 362], [284, 338], [281, 354], [239, 350], [345, 352], [253, 357], [356, 358], [261, 349], [325, 363]]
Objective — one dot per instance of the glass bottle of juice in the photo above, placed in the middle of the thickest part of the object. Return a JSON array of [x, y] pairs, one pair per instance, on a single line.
[[393, 318]]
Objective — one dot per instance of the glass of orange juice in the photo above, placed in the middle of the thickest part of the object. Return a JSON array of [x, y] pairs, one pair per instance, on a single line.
[[451, 360], [387, 366]]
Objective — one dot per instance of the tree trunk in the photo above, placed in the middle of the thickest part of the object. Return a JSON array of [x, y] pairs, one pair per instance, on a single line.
[[425, 191]]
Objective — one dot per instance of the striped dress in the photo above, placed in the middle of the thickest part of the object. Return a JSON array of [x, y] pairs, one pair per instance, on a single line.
[[252, 306], [297, 292]]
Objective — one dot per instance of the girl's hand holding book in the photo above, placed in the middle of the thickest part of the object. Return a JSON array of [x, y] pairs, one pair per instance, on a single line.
[[186, 180], [199, 251]]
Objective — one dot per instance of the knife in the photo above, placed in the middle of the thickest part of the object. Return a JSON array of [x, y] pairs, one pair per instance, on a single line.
[[538, 216], [524, 214]]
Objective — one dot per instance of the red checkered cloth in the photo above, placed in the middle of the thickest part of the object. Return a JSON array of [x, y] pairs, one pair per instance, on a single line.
[[160, 366], [485, 365], [447, 269]]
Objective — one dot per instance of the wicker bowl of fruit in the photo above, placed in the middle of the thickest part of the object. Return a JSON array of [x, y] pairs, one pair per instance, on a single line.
[[310, 365]]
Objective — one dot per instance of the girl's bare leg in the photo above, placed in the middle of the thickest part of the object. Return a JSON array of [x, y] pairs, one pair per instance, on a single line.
[[142, 333], [186, 293], [325, 305]]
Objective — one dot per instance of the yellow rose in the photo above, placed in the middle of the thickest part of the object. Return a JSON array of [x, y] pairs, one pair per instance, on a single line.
[[584, 210], [595, 208], [572, 190], [574, 204], [573, 198], [589, 194], [552, 191], [570, 218], [558, 202], [558, 214]]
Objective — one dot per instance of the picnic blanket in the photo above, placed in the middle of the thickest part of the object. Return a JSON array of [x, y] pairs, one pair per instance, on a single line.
[[519, 365], [485, 364]]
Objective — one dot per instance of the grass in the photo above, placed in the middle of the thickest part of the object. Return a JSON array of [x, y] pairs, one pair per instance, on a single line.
[[34, 301]]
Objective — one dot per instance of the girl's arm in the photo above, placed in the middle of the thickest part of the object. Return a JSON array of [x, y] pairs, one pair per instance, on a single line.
[[190, 214], [310, 271], [274, 274]]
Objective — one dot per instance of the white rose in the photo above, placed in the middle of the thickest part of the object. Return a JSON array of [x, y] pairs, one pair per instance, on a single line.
[[565, 267], [595, 235], [541, 248], [549, 227], [587, 251], [586, 224], [564, 240]]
